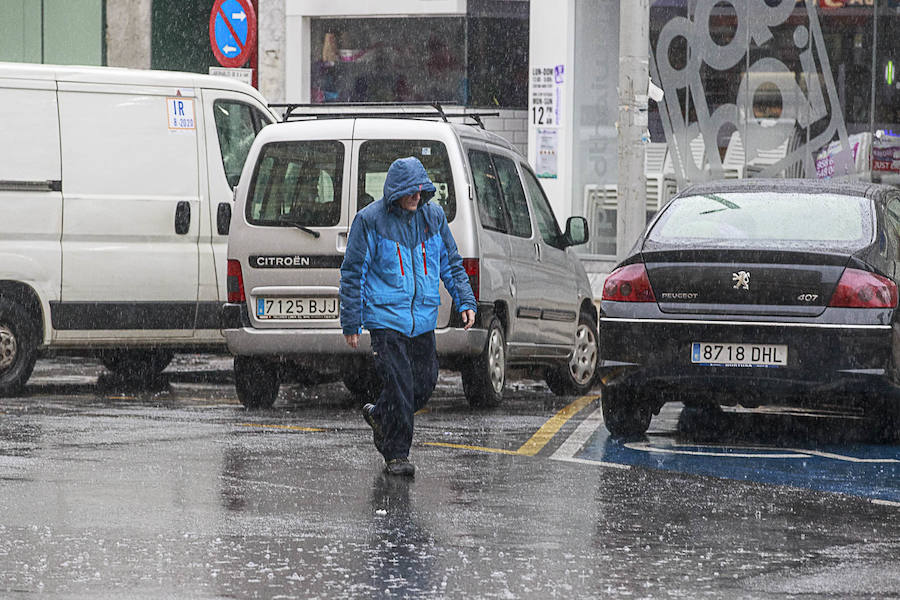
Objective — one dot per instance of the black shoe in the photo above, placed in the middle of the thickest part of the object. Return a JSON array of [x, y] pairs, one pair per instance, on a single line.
[[400, 466], [377, 432]]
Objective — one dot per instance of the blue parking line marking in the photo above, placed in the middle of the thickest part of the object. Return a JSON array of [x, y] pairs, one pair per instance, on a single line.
[[868, 471]]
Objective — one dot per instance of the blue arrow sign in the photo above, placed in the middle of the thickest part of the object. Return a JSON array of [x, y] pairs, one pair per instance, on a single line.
[[231, 28]]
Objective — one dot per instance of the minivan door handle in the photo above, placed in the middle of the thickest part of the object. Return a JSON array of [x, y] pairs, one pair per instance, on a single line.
[[342, 242], [182, 217], [537, 252], [223, 218]]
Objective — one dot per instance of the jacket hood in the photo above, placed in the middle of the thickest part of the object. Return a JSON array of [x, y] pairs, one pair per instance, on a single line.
[[407, 176]]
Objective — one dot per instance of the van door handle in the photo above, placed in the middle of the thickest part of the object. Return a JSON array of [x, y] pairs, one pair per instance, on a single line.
[[341, 242], [537, 251], [223, 218], [182, 217]]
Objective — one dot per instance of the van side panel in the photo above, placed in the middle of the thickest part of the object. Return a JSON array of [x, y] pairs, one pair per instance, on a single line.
[[30, 200], [130, 173], [234, 108]]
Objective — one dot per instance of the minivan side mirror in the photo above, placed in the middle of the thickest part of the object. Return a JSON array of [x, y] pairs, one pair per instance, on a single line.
[[576, 231], [223, 218]]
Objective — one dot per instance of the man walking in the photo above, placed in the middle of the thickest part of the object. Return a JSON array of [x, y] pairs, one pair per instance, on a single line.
[[397, 250]]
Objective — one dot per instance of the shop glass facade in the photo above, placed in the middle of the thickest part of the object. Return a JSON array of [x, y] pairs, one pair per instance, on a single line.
[[473, 60], [763, 88]]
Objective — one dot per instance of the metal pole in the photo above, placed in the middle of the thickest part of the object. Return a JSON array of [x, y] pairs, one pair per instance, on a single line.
[[875, 73], [634, 42]]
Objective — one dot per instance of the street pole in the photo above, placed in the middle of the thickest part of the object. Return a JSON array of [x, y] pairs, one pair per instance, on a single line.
[[634, 41]]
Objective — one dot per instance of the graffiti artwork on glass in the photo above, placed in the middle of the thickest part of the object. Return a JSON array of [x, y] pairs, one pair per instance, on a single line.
[[751, 77]]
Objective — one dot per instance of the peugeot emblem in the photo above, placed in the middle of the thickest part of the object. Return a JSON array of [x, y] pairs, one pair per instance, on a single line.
[[742, 279]]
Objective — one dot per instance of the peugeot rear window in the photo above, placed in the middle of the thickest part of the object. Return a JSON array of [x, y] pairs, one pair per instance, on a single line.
[[780, 217], [376, 156], [297, 183]]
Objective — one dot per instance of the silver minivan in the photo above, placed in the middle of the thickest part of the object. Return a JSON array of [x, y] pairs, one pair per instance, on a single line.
[[302, 184]]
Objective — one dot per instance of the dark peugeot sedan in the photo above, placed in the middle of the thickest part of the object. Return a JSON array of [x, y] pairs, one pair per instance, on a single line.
[[756, 292]]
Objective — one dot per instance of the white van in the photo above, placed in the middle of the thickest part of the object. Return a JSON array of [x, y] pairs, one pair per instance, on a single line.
[[115, 201]]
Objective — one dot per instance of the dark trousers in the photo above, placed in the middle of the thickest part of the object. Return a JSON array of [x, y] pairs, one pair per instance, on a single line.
[[408, 368]]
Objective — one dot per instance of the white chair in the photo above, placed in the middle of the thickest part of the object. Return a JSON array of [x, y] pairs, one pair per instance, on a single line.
[[691, 163], [598, 199], [659, 183], [735, 165]]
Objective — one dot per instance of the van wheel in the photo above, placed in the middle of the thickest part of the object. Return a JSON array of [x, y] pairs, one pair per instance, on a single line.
[[139, 367], [625, 412], [257, 381], [363, 383], [576, 377], [18, 347], [485, 377]]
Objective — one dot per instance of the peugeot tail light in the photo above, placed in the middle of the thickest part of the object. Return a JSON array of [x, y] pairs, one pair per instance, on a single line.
[[235, 283], [628, 284], [861, 289], [472, 270]]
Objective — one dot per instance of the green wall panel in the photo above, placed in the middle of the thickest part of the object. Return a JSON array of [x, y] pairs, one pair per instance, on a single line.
[[20, 31]]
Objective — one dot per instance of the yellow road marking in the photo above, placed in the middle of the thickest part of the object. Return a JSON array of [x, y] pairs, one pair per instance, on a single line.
[[552, 426], [477, 448], [121, 397], [291, 427], [539, 439]]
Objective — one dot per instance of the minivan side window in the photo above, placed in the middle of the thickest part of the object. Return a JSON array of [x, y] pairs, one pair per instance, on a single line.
[[376, 156], [546, 221], [236, 125], [297, 183], [514, 196], [487, 191]]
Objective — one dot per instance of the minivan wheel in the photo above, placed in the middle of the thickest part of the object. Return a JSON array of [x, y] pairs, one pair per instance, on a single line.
[[257, 381], [139, 367], [625, 412], [576, 377], [18, 347], [363, 382], [485, 377]]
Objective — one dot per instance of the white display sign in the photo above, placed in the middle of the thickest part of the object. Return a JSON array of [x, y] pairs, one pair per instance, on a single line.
[[546, 95], [242, 75], [547, 150], [181, 113]]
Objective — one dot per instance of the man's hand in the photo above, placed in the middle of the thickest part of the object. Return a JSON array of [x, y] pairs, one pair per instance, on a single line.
[[468, 317], [352, 340]]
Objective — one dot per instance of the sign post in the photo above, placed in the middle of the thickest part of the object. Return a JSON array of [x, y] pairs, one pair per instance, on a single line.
[[232, 32]]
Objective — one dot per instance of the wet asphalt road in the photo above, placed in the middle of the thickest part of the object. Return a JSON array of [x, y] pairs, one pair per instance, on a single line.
[[178, 492]]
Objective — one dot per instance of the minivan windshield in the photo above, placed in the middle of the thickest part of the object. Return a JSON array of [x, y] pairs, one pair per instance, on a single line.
[[376, 156], [297, 184], [780, 217]]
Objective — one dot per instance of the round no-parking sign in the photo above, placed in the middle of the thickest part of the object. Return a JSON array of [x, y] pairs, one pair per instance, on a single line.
[[232, 31]]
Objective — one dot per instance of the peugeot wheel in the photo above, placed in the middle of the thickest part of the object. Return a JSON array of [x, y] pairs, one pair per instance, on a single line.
[[625, 412]]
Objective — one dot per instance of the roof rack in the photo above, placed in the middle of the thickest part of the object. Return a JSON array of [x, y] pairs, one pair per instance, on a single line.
[[294, 111]]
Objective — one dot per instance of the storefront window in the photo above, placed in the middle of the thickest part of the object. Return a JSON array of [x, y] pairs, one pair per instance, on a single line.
[[453, 60], [772, 88], [388, 60]]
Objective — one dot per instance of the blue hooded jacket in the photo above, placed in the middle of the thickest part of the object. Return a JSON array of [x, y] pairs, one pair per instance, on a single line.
[[394, 258]]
